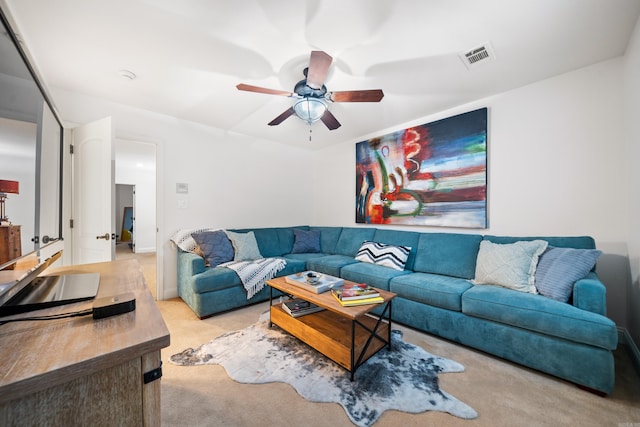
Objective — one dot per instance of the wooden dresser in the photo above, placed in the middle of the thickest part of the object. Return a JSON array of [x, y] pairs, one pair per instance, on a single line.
[[10, 246], [81, 371]]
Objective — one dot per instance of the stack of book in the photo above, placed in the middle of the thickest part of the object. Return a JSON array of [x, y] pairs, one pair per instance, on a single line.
[[350, 294], [298, 307]]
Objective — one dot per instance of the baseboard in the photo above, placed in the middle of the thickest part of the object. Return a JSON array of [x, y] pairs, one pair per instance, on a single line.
[[145, 250], [625, 339]]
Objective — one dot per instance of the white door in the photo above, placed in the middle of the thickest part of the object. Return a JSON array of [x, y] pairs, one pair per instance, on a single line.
[[93, 193]]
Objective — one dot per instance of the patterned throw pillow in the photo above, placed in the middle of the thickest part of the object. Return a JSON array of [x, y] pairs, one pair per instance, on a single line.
[[559, 268], [306, 241], [511, 265], [215, 247], [245, 246], [384, 254]]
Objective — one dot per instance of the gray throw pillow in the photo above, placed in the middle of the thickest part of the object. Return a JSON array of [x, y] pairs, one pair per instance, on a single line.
[[215, 246], [245, 246], [512, 265], [559, 268], [306, 241]]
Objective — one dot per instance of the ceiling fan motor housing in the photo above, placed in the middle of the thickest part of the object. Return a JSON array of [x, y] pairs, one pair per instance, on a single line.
[[305, 90]]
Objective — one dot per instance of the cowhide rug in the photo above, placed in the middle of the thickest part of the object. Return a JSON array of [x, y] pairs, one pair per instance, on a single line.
[[404, 378]]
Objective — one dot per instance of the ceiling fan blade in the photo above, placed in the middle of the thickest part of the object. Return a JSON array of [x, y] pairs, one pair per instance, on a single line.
[[330, 120], [373, 95], [319, 64], [282, 117], [250, 88]]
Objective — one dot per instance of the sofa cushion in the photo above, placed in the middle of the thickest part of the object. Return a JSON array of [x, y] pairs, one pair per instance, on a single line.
[[215, 279], [306, 241], [330, 264], [450, 254], [371, 274], [304, 257], [245, 246], [559, 268], [431, 289], [512, 265], [391, 256], [215, 247], [351, 239], [578, 242], [328, 238], [540, 314], [401, 238]]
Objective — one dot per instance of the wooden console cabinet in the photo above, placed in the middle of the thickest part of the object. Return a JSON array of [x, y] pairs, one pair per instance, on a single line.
[[10, 245], [81, 371]]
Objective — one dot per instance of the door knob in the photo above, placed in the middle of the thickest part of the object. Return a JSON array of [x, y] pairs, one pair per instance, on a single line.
[[105, 236]]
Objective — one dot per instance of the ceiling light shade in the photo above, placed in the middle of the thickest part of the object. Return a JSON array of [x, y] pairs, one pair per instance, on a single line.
[[6, 187], [310, 109]]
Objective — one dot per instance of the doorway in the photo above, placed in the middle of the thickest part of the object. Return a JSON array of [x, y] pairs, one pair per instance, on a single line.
[[135, 204]]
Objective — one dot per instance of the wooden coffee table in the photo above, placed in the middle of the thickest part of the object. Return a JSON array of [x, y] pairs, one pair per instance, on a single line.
[[347, 335]]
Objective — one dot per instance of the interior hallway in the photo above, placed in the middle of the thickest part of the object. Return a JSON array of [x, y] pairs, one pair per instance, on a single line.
[[147, 262]]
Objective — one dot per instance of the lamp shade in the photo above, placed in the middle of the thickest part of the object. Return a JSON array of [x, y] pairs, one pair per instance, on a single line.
[[310, 109], [10, 187]]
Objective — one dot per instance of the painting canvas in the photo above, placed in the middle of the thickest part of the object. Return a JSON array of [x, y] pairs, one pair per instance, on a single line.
[[430, 175]]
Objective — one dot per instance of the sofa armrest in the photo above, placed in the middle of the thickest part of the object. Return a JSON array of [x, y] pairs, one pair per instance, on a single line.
[[590, 294], [189, 264]]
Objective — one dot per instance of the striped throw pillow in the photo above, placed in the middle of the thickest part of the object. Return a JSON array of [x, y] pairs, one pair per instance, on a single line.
[[384, 254]]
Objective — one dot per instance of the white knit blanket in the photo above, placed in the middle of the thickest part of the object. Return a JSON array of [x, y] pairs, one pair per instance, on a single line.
[[254, 274]]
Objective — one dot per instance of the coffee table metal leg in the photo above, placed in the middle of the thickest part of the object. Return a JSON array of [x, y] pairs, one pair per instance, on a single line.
[[353, 349], [270, 304]]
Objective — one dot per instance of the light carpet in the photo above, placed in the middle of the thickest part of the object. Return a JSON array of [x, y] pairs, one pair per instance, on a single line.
[[404, 378]]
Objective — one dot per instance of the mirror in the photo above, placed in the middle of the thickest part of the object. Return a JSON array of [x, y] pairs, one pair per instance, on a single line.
[[30, 149]]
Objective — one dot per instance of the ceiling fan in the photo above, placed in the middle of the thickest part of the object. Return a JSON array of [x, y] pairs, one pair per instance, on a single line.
[[311, 94]]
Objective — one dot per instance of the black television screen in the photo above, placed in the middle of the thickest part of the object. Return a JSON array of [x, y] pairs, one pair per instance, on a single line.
[[50, 291]]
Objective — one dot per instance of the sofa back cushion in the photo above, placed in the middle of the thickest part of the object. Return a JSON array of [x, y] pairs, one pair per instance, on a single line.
[[400, 238], [328, 238], [450, 254], [273, 241], [577, 242], [351, 238]]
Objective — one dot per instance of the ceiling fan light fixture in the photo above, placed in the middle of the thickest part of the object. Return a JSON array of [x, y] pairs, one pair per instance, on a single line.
[[310, 109]]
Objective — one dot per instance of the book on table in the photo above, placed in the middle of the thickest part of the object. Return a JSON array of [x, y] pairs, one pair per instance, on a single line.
[[298, 307], [354, 291], [354, 302], [323, 284]]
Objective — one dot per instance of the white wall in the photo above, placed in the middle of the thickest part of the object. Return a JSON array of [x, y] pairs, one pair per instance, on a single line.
[[233, 181], [557, 165], [632, 126]]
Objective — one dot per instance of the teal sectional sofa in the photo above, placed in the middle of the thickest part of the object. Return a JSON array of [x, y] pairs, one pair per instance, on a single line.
[[572, 340]]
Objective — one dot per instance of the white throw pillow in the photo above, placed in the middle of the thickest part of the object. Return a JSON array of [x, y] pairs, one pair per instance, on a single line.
[[511, 265]]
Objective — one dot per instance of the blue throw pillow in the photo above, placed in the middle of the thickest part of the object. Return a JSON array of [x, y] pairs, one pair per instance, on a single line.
[[215, 246], [559, 268], [306, 241]]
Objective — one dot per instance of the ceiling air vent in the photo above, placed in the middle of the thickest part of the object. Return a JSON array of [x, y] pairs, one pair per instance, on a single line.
[[478, 55]]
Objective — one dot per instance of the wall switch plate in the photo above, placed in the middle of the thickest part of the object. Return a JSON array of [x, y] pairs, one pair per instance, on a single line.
[[182, 188]]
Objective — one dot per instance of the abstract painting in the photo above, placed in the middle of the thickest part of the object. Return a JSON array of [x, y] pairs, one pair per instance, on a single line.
[[430, 175]]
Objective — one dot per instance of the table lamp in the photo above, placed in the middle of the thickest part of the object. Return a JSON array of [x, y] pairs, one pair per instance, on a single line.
[[6, 187]]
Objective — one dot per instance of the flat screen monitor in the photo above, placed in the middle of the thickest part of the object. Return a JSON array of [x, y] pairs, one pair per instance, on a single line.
[[51, 291]]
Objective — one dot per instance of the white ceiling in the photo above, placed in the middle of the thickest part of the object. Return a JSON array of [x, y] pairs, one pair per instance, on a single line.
[[189, 55]]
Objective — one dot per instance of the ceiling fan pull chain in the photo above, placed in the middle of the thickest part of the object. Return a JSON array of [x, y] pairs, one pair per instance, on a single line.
[[309, 134]]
